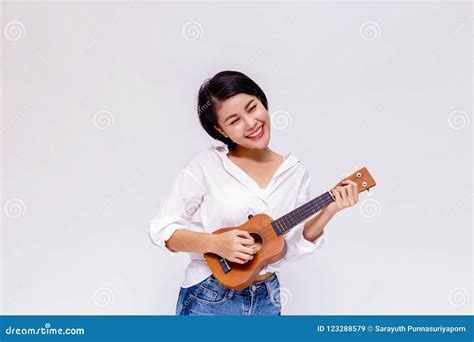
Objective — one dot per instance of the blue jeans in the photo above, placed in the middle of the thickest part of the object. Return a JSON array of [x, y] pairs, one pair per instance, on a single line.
[[209, 297]]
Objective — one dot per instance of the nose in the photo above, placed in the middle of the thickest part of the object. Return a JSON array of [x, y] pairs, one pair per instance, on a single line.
[[250, 123]]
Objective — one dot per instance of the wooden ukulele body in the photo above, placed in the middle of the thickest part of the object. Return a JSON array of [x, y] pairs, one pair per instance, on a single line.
[[273, 248]]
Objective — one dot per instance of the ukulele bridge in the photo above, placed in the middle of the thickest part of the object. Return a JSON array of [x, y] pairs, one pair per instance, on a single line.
[[225, 266]]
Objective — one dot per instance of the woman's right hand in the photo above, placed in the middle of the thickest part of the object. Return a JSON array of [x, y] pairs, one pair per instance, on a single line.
[[234, 245]]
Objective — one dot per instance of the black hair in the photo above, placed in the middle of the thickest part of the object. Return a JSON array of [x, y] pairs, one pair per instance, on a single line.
[[223, 85]]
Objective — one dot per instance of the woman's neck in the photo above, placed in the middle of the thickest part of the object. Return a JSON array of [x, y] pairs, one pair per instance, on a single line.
[[257, 155]]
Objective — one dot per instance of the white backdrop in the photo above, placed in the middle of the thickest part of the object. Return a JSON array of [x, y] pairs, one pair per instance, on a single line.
[[98, 116]]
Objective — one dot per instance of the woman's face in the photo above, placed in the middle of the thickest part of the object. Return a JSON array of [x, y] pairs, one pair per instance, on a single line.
[[244, 120]]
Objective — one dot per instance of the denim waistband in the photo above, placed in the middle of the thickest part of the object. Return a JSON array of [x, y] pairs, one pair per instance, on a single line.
[[258, 287]]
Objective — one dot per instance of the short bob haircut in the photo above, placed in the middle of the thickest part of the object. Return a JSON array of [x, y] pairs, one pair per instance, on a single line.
[[217, 89]]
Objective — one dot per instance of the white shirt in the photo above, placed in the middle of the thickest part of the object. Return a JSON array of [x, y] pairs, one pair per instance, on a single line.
[[213, 192]]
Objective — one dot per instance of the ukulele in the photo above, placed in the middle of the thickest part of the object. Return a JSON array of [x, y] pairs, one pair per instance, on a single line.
[[268, 234]]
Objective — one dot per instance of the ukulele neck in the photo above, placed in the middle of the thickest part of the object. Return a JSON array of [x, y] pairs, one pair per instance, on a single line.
[[284, 223]]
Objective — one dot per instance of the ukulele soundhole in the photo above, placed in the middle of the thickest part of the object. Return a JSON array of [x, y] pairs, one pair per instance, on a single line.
[[258, 240]]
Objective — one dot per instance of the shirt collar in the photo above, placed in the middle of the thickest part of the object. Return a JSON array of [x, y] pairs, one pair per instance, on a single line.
[[290, 161]]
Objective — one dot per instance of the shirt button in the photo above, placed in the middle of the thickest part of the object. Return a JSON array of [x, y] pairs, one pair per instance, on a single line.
[[253, 287]]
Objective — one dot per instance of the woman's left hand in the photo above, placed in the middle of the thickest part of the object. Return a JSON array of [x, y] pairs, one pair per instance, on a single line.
[[346, 195]]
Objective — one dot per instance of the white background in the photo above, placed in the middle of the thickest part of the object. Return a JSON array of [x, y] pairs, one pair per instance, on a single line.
[[99, 115]]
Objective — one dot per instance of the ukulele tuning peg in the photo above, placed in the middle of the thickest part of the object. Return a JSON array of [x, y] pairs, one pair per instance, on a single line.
[[250, 216]]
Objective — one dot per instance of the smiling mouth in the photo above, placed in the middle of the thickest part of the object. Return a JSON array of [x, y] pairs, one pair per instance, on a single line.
[[258, 134]]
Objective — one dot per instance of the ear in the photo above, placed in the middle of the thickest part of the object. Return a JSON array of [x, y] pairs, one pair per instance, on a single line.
[[221, 131]]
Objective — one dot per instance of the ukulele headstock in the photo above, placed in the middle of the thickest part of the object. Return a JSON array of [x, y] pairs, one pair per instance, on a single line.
[[363, 178]]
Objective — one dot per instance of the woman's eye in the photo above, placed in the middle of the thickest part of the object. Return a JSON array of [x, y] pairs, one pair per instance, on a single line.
[[233, 122], [251, 109]]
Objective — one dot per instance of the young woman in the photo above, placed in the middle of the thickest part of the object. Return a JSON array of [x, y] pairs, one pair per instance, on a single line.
[[221, 186]]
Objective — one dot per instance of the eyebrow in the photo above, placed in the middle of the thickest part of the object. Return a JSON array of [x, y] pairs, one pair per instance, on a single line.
[[232, 115]]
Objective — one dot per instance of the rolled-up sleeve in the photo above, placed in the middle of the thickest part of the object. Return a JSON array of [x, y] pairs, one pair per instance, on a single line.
[[179, 206], [297, 245]]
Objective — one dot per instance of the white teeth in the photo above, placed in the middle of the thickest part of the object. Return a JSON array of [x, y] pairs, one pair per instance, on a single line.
[[256, 133]]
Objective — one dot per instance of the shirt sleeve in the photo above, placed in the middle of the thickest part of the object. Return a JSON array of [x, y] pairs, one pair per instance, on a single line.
[[179, 207], [297, 245]]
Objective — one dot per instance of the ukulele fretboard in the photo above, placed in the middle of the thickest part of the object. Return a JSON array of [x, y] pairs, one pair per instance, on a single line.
[[284, 223]]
